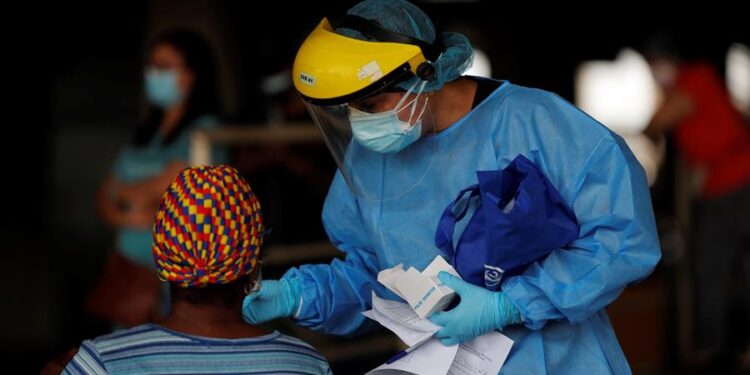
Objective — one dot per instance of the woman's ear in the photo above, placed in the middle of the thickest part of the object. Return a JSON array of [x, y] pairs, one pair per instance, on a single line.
[[248, 282]]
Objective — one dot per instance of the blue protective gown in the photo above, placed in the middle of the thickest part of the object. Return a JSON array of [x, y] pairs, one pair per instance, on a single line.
[[562, 298]]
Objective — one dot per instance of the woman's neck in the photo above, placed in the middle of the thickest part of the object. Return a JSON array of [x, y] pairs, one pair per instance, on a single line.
[[223, 322], [171, 118]]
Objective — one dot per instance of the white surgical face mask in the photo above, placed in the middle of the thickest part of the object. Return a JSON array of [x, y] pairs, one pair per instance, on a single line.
[[385, 132], [162, 89]]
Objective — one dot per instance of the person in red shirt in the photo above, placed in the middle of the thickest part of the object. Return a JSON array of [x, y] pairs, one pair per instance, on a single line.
[[714, 139]]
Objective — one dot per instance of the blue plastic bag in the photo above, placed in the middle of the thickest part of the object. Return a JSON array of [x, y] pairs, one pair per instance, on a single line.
[[520, 219]]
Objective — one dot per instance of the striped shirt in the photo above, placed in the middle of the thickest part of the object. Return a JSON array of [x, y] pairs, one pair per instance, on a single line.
[[152, 349]]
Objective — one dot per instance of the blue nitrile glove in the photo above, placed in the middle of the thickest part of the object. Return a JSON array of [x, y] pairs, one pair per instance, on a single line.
[[276, 299], [480, 311]]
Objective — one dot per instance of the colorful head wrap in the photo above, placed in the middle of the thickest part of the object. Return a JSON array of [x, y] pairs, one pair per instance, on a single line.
[[209, 228]]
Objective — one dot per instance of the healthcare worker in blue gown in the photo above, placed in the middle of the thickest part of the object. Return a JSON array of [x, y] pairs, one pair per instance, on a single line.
[[408, 133]]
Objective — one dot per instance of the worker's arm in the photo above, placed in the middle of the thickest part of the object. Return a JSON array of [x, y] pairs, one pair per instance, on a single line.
[[677, 106]]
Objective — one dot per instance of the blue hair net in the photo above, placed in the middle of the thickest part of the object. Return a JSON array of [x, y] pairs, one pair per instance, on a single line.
[[405, 18]]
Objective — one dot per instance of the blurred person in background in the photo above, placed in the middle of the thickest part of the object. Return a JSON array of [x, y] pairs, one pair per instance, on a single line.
[[714, 139], [207, 244], [182, 93]]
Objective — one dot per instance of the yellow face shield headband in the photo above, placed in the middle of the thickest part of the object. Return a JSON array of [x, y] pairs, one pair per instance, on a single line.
[[334, 69]]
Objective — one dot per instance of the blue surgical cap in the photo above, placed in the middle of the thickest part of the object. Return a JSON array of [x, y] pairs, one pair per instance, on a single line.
[[405, 18]]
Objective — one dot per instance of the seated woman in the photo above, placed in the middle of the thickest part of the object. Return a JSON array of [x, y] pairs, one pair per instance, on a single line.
[[207, 243]]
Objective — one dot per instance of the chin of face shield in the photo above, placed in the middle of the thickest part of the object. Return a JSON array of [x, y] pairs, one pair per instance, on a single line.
[[385, 132]]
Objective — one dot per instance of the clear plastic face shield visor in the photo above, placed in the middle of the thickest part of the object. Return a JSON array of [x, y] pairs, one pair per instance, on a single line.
[[379, 135], [383, 144]]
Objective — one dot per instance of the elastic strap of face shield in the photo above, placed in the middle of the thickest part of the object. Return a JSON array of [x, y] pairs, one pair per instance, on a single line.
[[413, 102]]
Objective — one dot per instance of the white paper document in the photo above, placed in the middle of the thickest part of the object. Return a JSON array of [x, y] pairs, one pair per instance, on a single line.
[[401, 320], [484, 355], [433, 358]]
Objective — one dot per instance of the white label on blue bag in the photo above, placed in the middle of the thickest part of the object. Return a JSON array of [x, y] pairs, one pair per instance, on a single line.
[[492, 277]]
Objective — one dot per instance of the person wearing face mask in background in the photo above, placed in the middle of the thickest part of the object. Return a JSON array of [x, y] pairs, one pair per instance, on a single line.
[[181, 89]]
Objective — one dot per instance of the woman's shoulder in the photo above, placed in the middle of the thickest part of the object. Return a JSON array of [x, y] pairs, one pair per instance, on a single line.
[[300, 346], [125, 338], [206, 121], [202, 122]]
